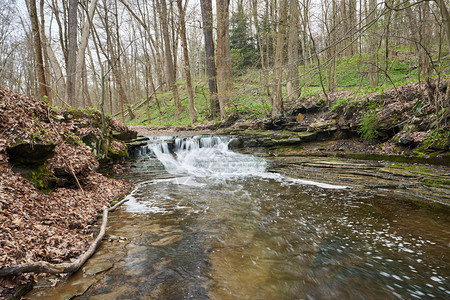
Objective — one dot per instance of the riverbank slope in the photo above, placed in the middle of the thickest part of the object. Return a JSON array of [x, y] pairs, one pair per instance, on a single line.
[[50, 188]]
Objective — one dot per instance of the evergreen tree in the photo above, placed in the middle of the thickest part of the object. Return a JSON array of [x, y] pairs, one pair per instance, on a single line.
[[243, 49]]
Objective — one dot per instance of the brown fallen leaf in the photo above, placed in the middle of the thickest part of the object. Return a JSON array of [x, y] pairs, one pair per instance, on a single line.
[[18, 222]]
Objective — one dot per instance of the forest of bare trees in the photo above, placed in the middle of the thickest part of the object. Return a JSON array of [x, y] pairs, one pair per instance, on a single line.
[[124, 54]]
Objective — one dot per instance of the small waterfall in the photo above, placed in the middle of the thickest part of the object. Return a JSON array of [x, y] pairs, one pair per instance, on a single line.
[[201, 156]]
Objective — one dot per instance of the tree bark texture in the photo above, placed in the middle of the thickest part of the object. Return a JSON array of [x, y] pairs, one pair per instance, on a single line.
[[37, 48], [81, 52], [277, 106], [187, 67], [223, 55], [72, 53], [373, 44], [260, 42], [207, 17], [46, 59], [168, 57], [293, 85]]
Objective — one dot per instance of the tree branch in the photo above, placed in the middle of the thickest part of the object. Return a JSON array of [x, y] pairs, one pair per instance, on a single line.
[[46, 267]]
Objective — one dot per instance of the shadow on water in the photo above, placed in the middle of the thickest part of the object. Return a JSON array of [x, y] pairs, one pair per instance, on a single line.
[[193, 229]]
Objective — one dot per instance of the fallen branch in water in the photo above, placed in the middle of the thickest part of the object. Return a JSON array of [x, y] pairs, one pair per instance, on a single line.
[[46, 267], [118, 204]]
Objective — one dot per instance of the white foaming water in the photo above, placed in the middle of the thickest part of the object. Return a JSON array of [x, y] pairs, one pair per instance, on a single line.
[[205, 157], [201, 156]]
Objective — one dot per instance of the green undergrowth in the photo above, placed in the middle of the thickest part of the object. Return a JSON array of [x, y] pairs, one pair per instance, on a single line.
[[249, 96], [41, 178]]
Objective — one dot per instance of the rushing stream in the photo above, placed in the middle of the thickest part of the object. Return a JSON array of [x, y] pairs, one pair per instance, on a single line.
[[210, 223]]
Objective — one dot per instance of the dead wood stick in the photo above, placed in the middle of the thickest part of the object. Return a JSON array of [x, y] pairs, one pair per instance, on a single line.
[[45, 267], [118, 204], [75, 176]]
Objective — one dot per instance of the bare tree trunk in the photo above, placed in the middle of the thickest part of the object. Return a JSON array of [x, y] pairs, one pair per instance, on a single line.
[[373, 43], [386, 39], [46, 60], [113, 57], [352, 9], [426, 36], [60, 80], [187, 67], [152, 44], [162, 7], [264, 63], [174, 39], [158, 49], [332, 37], [277, 106], [274, 25], [267, 36], [62, 32], [86, 97], [81, 52], [223, 55], [293, 85], [123, 98], [445, 19], [306, 49], [95, 77], [207, 18], [37, 48], [72, 53]]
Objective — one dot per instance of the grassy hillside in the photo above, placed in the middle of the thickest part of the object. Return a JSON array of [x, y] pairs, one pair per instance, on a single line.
[[249, 97]]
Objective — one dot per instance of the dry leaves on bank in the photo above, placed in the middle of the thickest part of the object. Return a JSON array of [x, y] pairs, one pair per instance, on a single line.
[[53, 227]]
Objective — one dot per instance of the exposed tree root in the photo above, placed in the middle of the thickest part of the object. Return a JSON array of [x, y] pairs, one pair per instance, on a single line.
[[46, 267]]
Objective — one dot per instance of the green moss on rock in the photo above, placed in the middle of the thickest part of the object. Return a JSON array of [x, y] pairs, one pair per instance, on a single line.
[[41, 178]]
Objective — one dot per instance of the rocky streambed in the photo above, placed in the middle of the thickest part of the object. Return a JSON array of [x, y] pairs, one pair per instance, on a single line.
[[205, 222], [319, 156]]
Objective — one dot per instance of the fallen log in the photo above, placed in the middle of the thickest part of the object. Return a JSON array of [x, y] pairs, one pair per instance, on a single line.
[[46, 267]]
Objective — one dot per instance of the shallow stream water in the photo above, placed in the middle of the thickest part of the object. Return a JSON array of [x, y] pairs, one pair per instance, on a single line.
[[208, 223]]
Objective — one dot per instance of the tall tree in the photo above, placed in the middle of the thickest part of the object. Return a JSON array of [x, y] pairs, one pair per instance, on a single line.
[[293, 85], [332, 29], [113, 55], [81, 51], [170, 70], [373, 43], [223, 56], [352, 12], [306, 49], [277, 105], [243, 51], [46, 60], [445, 15], [207, 18], [261, 45], [37, 48], [187, 67], [72, 53]]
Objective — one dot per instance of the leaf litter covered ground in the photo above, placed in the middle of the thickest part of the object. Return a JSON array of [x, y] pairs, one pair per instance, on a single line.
[[54, 227]]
